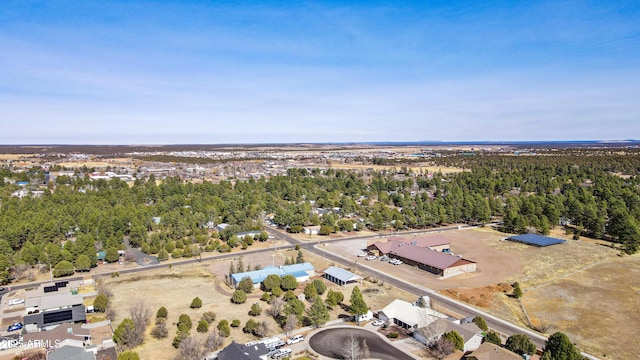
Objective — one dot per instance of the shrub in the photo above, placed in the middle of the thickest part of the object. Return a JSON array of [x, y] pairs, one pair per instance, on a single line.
[[203, 326], [246, 285], [186, 320], [310, 292], [223, 327], [255, 310], [63, 268], [250, 327], [289, 295], [180, 335], [209, 316], [271, 282], [100, 303], [276, 292], [479, 321], [129, 355], [392, 335], [289, 282], [235, 323], [239, 297], [265, 297], [162, 313], [160, 330], [196, 303], [320, 286]]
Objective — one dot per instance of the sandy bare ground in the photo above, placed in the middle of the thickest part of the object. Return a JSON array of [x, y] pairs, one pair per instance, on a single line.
[[581, 288], [599, 308], [493, 265], [175, 288]]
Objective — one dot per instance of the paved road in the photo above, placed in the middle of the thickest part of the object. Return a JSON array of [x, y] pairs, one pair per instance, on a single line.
[[458, 307], [331, 343]]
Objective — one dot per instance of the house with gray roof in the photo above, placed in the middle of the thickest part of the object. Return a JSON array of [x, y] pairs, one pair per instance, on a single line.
[[235, 351], [470, 332]]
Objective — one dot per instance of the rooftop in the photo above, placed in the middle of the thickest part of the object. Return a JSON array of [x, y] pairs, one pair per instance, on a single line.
[[257, 276], [537, 240], [342, 274], [426, 256]]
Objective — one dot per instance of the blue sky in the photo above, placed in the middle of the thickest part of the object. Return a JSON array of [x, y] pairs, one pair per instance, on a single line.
[[167, 72]]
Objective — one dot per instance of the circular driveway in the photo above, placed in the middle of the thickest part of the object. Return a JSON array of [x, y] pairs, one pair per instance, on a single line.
[[331, 343]]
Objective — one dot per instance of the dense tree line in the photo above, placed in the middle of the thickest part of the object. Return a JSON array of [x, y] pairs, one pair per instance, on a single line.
[[528, 193]]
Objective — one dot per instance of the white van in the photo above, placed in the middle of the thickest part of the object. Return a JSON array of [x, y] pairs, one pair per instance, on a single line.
[[16, 302], [365, 317]]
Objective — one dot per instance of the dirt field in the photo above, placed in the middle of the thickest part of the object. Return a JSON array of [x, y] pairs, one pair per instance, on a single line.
[[563, 285], [175, 288]]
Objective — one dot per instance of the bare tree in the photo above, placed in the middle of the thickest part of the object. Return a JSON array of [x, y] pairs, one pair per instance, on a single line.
[[190, 349], [355, 349], [263, 330], [441, 348], [141, 315], [290, 324], [214, 340], [277, 305]]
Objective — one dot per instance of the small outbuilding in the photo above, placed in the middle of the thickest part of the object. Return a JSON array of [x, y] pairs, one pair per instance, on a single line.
[[340, 276], [536, 240]]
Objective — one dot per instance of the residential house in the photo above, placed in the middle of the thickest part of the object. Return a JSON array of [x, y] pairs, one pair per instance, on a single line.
[[408, 316], [470, 332], [489, 351]]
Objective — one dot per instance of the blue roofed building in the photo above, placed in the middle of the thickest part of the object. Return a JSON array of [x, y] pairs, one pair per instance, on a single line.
[[535, 240], [302, 272]]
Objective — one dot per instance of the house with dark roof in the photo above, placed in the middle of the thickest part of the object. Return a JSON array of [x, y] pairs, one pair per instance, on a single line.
[[440, 263], [235, 351], [340, 276]]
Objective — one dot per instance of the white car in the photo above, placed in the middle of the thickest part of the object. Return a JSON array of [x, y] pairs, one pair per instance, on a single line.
[[280, 353], [395, 261], [377, 322], [362, 254], [16, 302], [294, 340], [371, 257]]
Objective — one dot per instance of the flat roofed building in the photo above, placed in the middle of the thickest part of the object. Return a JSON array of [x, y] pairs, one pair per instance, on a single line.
[[52, 304], [536, 240], [341, 276]]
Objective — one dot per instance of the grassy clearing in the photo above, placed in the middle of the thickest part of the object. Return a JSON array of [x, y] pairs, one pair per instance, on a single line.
[[175, 288]]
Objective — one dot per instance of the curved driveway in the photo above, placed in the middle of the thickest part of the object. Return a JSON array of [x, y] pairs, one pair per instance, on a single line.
[[331, 342]]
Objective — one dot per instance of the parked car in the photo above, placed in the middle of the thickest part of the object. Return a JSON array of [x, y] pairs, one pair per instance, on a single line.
[[280, 353], [377, 322], [384, 258], [16, 301], [395, 261], [362, 254], [15, 326], [371, 257], [294, 340]]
